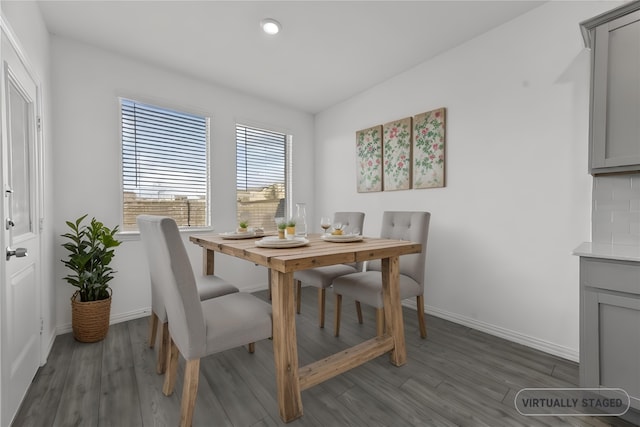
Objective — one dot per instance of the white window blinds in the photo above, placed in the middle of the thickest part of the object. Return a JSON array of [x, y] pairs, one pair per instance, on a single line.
[[164, 164], [261, 176]]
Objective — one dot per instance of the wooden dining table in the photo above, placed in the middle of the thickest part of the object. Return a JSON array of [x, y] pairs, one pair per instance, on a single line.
[[291, 379]]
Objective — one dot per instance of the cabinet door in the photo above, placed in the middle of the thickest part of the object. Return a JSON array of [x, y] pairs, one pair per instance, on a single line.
[[615, 126], [611, 342]]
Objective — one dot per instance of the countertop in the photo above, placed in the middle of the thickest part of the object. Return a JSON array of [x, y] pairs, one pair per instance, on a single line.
[[608, 251]]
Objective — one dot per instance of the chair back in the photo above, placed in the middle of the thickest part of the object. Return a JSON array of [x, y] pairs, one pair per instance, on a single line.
[[352, 221], [175, 283], [157, 304], [410, 226]]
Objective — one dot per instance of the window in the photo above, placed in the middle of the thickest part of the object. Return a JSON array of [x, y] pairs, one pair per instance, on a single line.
[[164, 164], [262, 184]]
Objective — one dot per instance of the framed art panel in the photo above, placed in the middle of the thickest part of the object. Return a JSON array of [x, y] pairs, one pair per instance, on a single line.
[[429, 149], [369, 159], [396, 148]]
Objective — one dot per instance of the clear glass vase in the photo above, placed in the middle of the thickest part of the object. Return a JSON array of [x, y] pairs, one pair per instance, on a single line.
[[301, 219]]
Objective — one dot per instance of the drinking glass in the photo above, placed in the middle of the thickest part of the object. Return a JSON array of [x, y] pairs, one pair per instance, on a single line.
[[325, 223]]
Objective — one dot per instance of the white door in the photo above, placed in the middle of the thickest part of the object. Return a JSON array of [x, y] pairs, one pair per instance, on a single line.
[[20, 290]]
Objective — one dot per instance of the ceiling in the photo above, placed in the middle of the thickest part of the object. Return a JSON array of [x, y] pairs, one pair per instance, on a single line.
[[327, 51]]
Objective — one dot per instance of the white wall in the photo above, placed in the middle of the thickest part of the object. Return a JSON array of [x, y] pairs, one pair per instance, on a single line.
[[87, 82], [517, 198], [25, 20]]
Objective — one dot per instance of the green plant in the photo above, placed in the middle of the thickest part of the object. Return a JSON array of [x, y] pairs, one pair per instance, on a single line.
[[91, 250], [282, 225], [291, 223], [243, 224]]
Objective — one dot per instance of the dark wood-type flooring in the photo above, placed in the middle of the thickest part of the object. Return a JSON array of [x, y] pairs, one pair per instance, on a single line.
[[456, 377]]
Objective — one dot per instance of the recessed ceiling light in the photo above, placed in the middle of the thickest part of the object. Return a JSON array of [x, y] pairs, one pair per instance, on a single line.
[[270, 26]]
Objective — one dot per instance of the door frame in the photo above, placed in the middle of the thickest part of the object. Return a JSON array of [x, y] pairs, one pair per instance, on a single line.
[[7, 32]]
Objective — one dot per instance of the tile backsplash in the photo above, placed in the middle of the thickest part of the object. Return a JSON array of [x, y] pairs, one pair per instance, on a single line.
[[615, 214]]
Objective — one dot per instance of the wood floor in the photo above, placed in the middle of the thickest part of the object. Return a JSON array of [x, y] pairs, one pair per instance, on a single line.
[[456, 377]]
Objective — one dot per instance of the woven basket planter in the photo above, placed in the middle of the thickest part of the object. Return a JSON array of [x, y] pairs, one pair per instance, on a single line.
[[90, 320]]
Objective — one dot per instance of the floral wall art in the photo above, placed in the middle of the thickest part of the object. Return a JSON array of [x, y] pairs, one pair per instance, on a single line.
[[369, 167], [402, 154], [428, 149], [396, 149]]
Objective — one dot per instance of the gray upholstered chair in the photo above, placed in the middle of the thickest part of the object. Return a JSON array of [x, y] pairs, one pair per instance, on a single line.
[[366, 287], [321, 277], [208, 287], [197, 328]]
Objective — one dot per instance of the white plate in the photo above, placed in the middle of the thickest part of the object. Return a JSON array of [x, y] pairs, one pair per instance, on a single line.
[[344, 238], [275, 242], [243, 235]]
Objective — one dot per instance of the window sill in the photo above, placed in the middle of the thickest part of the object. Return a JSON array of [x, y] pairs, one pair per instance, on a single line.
[[130, 236]]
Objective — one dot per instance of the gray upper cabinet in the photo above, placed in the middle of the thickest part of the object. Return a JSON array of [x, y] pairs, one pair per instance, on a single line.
[[614, 134]]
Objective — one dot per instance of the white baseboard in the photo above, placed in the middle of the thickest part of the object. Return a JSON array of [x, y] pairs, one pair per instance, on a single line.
[[517, 337], [510, 335], [47, 346], [118, 318]]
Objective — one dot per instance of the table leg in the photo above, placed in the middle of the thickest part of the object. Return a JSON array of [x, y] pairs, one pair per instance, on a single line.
[[285, 350], [394, 324], [207, 261]]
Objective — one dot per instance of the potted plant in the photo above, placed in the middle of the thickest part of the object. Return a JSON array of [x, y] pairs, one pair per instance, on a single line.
[[291, 227], [242, 226], [91, 250], [282, 226]]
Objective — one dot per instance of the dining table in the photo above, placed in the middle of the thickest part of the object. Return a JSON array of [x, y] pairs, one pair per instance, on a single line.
[[282, 262]]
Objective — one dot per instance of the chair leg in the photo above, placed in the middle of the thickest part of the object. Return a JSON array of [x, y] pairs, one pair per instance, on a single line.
[[421, 322], [359, 311], [153, 328], [322, 297], [172, 371], [336, 323], [165, 348], [189, 392], [298, 295], [380, 321]]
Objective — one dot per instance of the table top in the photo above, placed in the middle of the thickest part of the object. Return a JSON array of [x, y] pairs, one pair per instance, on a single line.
[[317, 253]]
